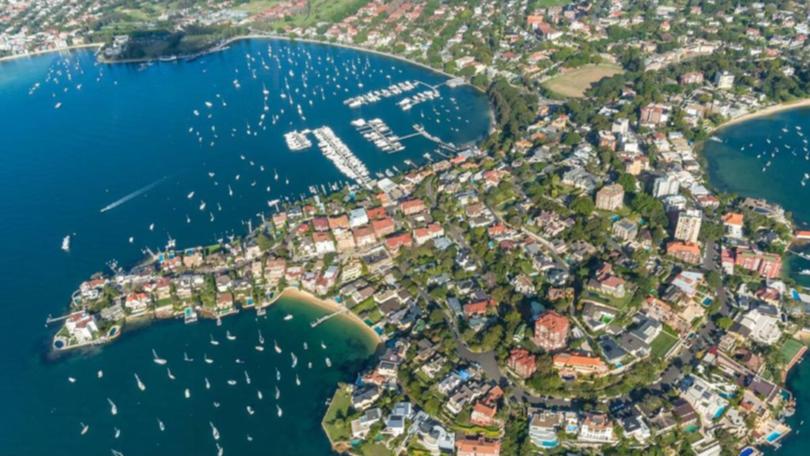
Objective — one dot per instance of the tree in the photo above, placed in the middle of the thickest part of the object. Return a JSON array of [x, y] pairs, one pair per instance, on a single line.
[[583, 205], [628, 182]]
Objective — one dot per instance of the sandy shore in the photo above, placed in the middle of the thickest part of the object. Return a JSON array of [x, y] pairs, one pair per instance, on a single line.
[[49, 51], [765, 112], [328, 305]]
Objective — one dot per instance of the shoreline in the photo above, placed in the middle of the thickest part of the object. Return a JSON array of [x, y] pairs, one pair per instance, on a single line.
[[11, 58], [328, 305], [764, 112]]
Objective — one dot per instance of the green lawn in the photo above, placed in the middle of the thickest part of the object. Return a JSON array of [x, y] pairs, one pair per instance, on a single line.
[[662, 344], [337, 427], [789, 349]]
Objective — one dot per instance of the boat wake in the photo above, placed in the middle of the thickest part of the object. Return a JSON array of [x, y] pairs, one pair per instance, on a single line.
[[132, 195]]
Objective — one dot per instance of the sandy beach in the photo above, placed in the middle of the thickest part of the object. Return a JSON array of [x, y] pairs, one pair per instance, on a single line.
[[49, 51], [766, 112], [328, 305]]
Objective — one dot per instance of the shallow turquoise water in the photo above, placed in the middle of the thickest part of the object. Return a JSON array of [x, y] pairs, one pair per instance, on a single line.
[[127, 127]]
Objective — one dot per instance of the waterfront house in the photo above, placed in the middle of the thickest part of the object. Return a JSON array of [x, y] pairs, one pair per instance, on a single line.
[[365, 395], [81, 326], [323, 243], [340, 222], [137, 303], [412, 207]]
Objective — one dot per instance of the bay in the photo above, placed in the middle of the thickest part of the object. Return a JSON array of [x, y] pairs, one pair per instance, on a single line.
[[123, 128]]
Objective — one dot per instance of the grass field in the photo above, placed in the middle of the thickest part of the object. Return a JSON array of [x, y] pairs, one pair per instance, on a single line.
[[789, 349], [662, 344], [574, 83]]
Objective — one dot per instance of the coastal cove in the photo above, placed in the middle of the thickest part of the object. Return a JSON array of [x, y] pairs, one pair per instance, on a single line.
[[63, 164]]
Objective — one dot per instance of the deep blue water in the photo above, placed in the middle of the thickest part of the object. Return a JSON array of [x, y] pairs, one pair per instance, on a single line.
[[124, 128], [740, 164]]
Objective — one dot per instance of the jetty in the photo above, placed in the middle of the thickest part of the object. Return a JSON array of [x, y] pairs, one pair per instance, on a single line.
[[324, 318]]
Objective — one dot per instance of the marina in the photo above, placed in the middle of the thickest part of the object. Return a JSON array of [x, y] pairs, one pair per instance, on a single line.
[[378, 133], [339, 153], [377, 95]]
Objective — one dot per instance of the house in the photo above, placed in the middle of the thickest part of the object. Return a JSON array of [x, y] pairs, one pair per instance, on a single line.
[[625, 230], [523, 363], [423, 235], [357, 217], [596, 428], [572, 364], [733, 225], [394, 242], [691, 77], [340, 222], [411, 207], [760, 324], [483, 415], [606, 283], [81, 326], [685, 251], [550, 331], [701, 395], [323, 243], [362, 425], [767, 265], [383, 226], [653, 114], [610, 197], [543, 429], [224, 302], [365, 395], [137, 303], [364, 236], [468, 446]]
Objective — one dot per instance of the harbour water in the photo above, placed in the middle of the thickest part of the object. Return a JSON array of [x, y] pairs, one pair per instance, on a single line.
[[768, 158], [125, 138]]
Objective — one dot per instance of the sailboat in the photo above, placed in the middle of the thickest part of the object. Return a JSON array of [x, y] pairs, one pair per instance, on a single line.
[[297, 380], [169, 373], [278, 393], [249, 410], [66, 243], [100, 373], [85, 428], [229, 336], [247, 378], [328, 362], [279, 412], [113, 407], [161, 426], [213, 341], [117, 433], [276, 347], [141, 386], [294, 360], [259, 394], [187, 393], [186, 358], [288, 317], [158, 360], [207, 359], [207, 384]]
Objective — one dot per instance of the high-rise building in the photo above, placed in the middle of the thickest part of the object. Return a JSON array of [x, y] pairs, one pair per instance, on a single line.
[[610, 197], [665, 186], [688, 227]]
